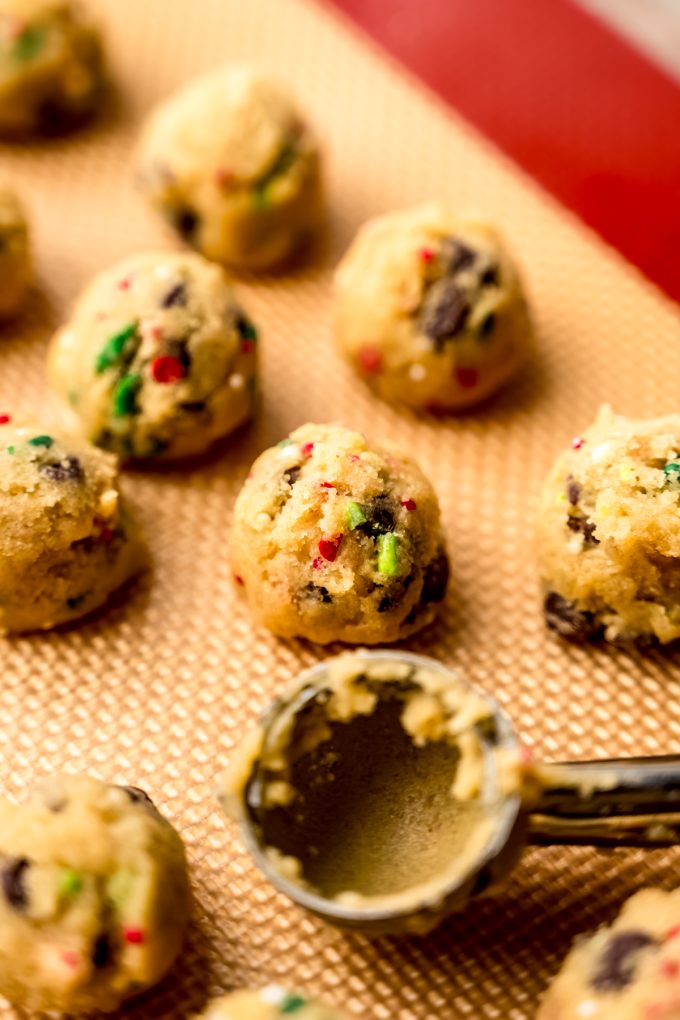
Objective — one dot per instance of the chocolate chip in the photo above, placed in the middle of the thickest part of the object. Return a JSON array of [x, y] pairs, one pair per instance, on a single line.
[[562, 616], [137, 796], [444, 311], [177, 295], [380, 516], [435, 579], [456, 255], [186, 221], [193, 406], [54, 117], [14, 883], [583, 526], [490, 277], [68, 468], [317, 593], [245, 328], [616, 966], [291, 475], [573, 490], [101, 950]]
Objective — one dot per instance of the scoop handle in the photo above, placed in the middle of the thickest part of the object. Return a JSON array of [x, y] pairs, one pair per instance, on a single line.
[[614, 802]]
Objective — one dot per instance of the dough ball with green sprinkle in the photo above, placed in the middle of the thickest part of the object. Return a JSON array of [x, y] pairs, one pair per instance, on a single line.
[[66, 539], [338, 538], [158, 360], [430, 309], [94, 896], [609, 532], [232, 165], [15, 256], [270, 1003], [51, 73]]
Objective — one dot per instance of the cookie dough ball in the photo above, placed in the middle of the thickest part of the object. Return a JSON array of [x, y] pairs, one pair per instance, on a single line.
[[336, 538], [268, 1004], [230, 162], [66, 540], [15, 258], [94, 896], [430, 309], [158, 360], [51, 72], [629, 971], [609, 532]]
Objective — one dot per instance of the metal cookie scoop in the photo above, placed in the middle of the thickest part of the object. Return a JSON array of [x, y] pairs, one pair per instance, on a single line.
[[382, 792]]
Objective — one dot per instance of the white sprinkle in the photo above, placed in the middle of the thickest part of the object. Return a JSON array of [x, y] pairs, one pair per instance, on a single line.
[[273, 995], [587, 1008], [290, 452], [601, 452], [163, 272], [236, 381], [417, 373]]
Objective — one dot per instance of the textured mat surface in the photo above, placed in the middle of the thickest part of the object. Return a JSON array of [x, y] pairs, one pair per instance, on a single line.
[[156, 691]]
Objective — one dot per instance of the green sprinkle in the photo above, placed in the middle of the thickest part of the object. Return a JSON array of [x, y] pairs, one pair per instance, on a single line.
[[248, 331], [292, 1003], [11, 449], [285, 442], [278, 167], [29, 43], [388, 560], [355, 516], [125, 395], [670, 469], [113, 348], [71, 883], [45, 441]]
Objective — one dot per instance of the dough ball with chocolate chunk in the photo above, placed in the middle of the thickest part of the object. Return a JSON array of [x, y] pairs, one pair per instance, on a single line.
[[268, 1003], [430, 310], [15, 256], [51, 73], [66, 539], [231, 164], [94, 896], [158, 360], [628, 971], [338, 538], [609, 532]]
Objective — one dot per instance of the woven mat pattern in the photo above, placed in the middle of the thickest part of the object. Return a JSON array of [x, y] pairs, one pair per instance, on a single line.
[[156, 691]]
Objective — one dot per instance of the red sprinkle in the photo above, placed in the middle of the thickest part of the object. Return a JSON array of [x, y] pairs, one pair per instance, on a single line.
[[317, 562], [328, 547], [426, 254], [239, 580], [133, 935], [577, 442], [153, 332], [70, 958], [408, 504], [124, 284], [370, 360], [167, 369], [327, 485], [673, 932], [5, 418], [246, 346], [306, 449], [670, 968], [467, 377]]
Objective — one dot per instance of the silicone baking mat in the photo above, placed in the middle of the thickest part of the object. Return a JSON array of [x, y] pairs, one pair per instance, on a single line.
[[157, 690]]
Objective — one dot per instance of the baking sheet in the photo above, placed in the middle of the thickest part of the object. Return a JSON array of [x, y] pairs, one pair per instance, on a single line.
[[156, 691]]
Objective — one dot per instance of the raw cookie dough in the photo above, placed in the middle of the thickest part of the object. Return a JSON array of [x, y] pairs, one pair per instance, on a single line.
[[336, 538], [15, 257], [66, 541], [230, 162], [430, 309], [158, 360], [94, 896], [50, 66], [268, 1004], [629, 971], [609, 532]]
